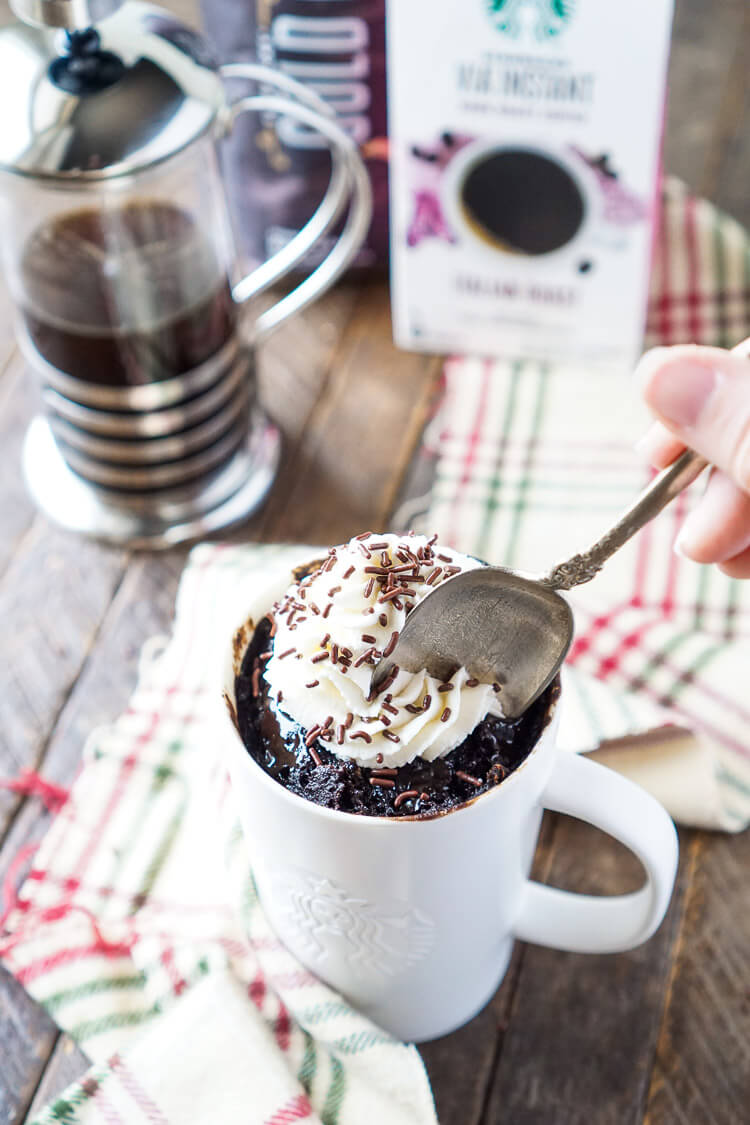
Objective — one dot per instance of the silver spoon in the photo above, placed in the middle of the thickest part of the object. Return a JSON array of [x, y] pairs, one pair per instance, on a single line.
[[509, 628]]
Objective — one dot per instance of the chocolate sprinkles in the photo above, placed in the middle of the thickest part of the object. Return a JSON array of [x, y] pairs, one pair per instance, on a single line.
[[405, 796], [470, 778]]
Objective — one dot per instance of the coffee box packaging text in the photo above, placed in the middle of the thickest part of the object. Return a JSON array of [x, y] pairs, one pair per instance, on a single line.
[[524, 147]]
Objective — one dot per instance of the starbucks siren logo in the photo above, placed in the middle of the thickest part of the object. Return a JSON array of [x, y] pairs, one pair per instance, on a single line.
[[544, 19]]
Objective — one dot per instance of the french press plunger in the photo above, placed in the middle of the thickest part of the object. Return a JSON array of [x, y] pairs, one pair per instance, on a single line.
[[121, 263]]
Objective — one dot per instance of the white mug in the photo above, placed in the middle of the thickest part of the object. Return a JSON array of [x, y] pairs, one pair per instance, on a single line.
[[414, 920]]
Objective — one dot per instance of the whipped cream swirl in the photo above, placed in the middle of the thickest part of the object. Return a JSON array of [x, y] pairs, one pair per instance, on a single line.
[[332, 629]]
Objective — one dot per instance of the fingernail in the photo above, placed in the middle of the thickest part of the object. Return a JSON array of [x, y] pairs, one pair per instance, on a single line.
[[679, 391], [691, 536], [679, 546], [648, 443]]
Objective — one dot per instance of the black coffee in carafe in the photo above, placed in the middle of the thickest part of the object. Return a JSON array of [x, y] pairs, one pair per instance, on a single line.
[[124, 296]]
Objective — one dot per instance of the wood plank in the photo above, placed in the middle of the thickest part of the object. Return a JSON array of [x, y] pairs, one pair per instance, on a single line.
[[705, 40], [361, 434], [730, 173], [295, 369], [581, 1040], [296, 362], [52, 599], [702, 1071], [67, 1063], [27, 1035]]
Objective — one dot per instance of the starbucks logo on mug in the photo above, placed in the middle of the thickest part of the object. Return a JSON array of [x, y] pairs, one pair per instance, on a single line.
[[333, 924]]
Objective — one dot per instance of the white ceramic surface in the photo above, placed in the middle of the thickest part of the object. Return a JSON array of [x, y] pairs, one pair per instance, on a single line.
[[414, 921]]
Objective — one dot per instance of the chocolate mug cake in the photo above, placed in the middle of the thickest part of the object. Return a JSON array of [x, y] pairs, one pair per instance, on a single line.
[[306, 712]]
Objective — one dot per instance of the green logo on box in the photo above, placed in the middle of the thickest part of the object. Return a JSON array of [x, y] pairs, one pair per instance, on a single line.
[[543, 19]]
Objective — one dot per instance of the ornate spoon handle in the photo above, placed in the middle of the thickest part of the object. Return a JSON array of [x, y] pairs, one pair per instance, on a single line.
[[663, 488]]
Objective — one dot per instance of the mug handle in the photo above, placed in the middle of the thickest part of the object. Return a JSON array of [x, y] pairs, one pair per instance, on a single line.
[[349, 183], [603, 924]]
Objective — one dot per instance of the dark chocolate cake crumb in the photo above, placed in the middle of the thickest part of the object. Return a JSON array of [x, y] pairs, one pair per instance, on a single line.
[[306, 766]]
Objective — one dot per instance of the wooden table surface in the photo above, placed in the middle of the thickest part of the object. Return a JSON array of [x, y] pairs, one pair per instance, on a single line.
[[659, 1035]]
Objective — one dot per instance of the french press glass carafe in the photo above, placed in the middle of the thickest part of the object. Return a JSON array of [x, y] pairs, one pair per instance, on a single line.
[[120, 260]]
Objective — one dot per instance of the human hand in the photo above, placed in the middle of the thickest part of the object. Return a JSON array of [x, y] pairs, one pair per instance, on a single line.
[[701, 397]]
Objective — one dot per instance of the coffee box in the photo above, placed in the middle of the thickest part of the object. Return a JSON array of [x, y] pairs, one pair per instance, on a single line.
[[524, 147]]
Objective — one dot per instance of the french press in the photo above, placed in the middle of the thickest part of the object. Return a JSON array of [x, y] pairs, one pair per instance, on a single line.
[[119, 256]]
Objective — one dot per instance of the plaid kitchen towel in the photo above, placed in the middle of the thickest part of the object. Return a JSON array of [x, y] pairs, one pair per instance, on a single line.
[[139, 930], [529, 463]]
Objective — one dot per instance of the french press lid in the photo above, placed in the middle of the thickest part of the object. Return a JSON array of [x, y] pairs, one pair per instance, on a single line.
[[94, 89]]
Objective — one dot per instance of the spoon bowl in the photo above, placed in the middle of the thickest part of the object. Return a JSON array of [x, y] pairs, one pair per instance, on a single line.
[[502, 627]]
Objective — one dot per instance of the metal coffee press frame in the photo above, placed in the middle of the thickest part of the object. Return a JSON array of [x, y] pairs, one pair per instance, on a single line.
[[159, 463]]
